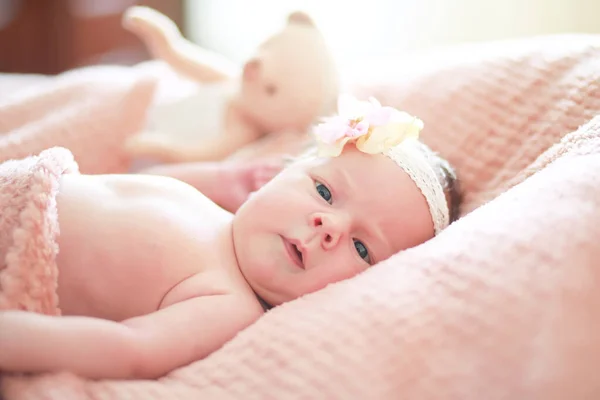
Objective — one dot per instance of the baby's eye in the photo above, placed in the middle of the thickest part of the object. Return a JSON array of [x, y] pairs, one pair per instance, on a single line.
[[323, 192], [362, 251]]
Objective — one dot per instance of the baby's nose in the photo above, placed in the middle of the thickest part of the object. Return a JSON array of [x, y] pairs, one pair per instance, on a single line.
[[331, 228]]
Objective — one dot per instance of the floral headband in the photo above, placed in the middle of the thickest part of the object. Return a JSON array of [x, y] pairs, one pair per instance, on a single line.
[[384, 130]]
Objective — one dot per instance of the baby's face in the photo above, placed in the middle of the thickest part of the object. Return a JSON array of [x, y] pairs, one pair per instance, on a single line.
[[325, 220]]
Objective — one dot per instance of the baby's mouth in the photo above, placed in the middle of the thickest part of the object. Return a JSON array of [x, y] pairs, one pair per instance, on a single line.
[[298, 253], [294, 253]]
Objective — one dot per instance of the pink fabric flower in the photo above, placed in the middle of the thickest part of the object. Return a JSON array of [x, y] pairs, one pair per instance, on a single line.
[[338, 127], [372, 127]]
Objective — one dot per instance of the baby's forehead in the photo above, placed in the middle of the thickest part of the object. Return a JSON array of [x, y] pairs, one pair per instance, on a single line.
[[373, 180], [364, 168]]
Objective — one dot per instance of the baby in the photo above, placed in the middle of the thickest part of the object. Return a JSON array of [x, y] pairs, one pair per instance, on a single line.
[[154, 276]]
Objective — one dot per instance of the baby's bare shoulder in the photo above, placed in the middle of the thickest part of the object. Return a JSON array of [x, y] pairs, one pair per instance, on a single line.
[[208, 283]]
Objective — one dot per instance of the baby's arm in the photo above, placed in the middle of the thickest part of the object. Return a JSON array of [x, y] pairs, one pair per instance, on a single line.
[[32, 342], [167, 150], [145, 347], [228, 184]]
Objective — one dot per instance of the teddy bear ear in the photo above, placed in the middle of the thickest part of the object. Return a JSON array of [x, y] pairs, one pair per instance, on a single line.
[[300, 17]]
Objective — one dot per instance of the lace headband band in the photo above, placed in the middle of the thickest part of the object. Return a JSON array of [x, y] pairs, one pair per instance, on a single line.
[[384, 130], [414, 162]]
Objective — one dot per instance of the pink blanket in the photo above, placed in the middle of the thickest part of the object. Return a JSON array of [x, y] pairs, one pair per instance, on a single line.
[[28, 230], [501, 305], [90, 111]]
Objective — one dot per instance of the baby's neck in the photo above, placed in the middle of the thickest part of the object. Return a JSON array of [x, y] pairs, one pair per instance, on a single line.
[[266, 306], [231, 262]]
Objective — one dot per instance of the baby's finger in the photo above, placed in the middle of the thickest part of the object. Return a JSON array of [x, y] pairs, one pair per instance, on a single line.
[[273, 167], [261, 180], [266, 173]]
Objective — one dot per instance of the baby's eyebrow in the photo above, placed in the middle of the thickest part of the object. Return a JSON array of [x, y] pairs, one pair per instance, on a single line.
[[377, 234], [346, 181]]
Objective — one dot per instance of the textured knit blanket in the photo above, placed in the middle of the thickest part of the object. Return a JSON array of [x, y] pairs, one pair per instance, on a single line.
[[504, 304], [91, 111], [28, 230]]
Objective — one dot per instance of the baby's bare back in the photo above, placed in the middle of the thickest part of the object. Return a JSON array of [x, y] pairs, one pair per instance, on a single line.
[[129, 244]]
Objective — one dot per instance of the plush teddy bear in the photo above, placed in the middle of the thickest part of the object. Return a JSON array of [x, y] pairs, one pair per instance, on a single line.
[[263, 107]]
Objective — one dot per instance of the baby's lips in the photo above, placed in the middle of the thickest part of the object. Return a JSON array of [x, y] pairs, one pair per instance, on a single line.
[[302, 249]]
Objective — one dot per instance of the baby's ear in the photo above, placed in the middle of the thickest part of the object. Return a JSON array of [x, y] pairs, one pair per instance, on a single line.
[[299, 17]]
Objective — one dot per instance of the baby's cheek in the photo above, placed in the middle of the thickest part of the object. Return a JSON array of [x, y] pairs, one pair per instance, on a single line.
[[342, 265], [287, 197]]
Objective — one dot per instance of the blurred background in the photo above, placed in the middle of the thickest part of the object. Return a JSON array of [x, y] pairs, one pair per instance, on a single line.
[[51, 36]]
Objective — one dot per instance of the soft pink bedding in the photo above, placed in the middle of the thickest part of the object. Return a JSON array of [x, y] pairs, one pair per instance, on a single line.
[[28, 230], [91, 111], [502, 305]]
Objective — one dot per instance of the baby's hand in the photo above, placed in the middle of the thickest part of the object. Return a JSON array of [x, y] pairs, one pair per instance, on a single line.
[[262, 172], [241, 179]]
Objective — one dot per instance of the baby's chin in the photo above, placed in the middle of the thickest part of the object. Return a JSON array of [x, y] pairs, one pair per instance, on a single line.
[[273, 282]]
